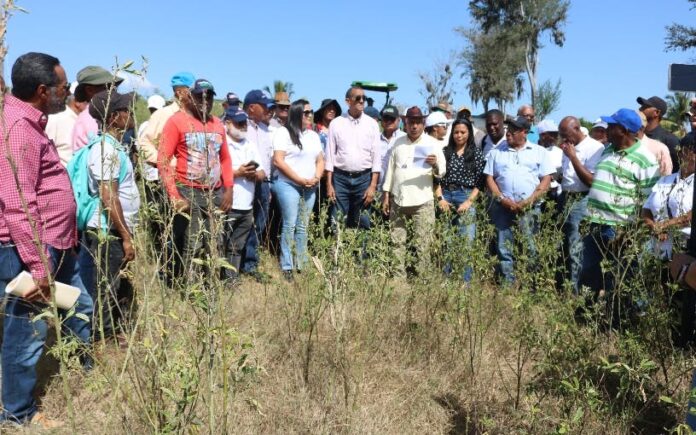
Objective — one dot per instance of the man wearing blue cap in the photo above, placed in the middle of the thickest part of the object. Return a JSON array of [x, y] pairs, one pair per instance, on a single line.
[[247, 172], [622, 180], [256, 105]]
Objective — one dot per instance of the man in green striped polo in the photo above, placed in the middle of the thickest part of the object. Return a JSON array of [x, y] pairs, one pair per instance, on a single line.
[[622, 180]]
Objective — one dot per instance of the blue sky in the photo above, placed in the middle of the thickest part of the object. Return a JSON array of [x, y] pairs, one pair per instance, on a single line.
[[614, 49]]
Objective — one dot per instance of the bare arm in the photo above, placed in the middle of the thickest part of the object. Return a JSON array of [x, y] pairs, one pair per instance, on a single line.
[[112, 204]]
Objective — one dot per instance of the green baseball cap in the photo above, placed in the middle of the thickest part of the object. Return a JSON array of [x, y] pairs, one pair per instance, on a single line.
[[96, 75]]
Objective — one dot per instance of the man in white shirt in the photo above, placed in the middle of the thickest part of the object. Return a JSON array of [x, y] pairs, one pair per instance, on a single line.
[[60, 126], [548, 138], [247, 172], [581, 156], [415, 161]]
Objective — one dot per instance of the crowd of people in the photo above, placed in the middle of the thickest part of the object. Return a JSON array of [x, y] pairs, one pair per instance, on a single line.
[[73, 170]]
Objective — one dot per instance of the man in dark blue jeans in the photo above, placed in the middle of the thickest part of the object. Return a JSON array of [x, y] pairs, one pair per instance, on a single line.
[[353, 162]]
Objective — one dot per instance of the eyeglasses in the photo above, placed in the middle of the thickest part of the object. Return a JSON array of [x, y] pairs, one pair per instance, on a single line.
[[359, 98], [308, 113], [282, 107]]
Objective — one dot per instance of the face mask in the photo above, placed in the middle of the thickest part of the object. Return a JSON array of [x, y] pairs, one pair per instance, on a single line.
[[235, 133]]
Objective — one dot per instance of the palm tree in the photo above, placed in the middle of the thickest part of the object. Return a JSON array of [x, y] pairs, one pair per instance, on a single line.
[[280, 86], [678, 103]]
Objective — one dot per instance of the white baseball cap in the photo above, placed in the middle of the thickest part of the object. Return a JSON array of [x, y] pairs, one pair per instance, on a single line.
[[547, 126], [600, 124], [156, 102], [436, 118]]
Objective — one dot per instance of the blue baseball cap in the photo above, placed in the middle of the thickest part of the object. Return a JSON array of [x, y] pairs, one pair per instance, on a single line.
[[235, 114], [201, 86], [183, 79], [627, 118], [257, 97]]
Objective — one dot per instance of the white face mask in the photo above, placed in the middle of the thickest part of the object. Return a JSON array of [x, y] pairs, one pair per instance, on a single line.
[[235, 133]]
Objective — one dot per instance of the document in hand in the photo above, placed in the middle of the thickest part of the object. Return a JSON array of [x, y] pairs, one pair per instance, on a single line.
[[420, 153], [66, 295]]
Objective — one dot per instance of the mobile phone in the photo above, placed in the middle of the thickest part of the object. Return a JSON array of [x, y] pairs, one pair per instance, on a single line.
[[253, 163]]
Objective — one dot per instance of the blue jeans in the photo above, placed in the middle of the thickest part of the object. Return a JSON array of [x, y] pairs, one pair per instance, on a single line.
[[262, 201], [24, 337], [465, 224], [296, 205], [575, 207], [349, 199], [504, 221], [597, 247]]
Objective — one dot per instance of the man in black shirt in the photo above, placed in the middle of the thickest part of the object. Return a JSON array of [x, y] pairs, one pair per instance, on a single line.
[[654, 109]]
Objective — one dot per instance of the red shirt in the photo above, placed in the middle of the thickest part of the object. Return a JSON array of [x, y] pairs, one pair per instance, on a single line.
[[43, 183], [202, 158]]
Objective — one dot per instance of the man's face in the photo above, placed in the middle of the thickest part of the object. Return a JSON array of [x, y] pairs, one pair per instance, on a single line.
[[203, 103], [599, 134], [548, 138], [615, 133], [516, 136], [440, 131], [356, 101], [415, 127], [389, 123], [58, 93], [528, 113], [649, 112], [570, 133], [495, 127], [257, 112], [122, 120]]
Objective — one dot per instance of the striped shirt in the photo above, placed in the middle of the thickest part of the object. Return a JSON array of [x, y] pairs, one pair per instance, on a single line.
[[622, 181]]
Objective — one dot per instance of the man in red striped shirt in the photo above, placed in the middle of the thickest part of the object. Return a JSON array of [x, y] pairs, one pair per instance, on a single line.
[[38, 232]]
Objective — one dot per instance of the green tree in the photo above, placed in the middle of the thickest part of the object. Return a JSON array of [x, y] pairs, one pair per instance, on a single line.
[[678, 103], [494, 68], [280, 86], [548, 98], [681, 37], [523, 22]]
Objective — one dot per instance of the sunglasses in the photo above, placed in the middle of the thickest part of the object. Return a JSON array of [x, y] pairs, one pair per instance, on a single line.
[[359, 98], [308, 113], [282, 107]]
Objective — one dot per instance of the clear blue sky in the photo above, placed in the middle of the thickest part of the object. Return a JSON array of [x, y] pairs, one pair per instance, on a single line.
[[614, 49]]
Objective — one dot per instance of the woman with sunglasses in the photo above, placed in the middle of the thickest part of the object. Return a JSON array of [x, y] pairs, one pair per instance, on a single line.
[[299, 160], [461, 183]]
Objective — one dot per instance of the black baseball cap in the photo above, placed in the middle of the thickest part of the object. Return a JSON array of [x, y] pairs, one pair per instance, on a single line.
[[655, 102], [390, 111], [519, 122]]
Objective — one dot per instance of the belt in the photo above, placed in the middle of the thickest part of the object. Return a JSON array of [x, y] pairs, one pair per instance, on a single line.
[[354, 174], [451, 187], [576, 194]]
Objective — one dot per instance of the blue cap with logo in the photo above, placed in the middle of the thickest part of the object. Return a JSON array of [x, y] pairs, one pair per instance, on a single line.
[[627, 118], [257, 97], [183, 79], [235, 114]]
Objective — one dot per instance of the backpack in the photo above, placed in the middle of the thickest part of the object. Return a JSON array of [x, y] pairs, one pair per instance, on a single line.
[[78, 171]]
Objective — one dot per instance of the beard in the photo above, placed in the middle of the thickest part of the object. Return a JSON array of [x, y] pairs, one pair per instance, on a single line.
[[56, 104]]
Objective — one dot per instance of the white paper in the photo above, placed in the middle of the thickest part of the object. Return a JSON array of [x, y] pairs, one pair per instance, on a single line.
[[420, 153], [66, 295]]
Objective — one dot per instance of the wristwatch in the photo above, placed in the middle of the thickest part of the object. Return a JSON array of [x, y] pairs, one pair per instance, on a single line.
[[440, 198]]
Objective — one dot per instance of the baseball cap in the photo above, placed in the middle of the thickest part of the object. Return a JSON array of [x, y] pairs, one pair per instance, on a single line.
[[653, 101], [600, 124], [232, 99], [183, 79], [435, 118], [156, 102], [390, 111], [106, 102], [235, 114], [96, 75], [626, 118], [202, 85], [463, 109], [414, 112], [547, 126], [257, 97], [519, 122]]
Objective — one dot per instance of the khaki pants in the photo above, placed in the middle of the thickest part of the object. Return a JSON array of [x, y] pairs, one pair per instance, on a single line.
[[421, 219]]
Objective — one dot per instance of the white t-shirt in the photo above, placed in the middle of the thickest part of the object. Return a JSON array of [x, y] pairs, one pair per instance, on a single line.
[[589, 152], [671, 197], [243, 191], [302, 161], [59, 129], [108, 168]]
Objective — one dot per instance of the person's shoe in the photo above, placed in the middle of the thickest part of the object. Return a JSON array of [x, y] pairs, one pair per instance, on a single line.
[[39, 419], [287, 276]]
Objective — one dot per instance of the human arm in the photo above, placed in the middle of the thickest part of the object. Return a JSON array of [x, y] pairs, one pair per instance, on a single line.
[[466, 205], [227, 174], [497, 195], [108, 191], [538, 192], [441, 201], [167, 147], [329, 162], [584, 174], [148, 140]]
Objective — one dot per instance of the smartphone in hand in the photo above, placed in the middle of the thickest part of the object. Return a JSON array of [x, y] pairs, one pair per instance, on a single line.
[[252, 163]]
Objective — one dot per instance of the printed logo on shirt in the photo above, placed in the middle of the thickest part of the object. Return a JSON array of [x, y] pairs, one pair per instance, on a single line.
[[203, 157]]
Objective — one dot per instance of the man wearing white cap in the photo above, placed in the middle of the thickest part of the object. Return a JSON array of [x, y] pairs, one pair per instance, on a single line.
[[436, 127], [599, 131], [60, 126]]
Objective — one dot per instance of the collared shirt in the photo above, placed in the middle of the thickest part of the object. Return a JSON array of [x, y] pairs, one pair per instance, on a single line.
[[259, 134], [517, 172], [85, 128], [622, 180], [385, 147], [533, 134], [44, 183], [59, 129], [353, 144], [243, 191], [671, 197], [589, 152], [661, 153], [407, 180], [488, 144], [151, 136]]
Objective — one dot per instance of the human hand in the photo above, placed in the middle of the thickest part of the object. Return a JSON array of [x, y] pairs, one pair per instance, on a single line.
[[41, 292], [444, 205], [431, 160], [128, 250], [226, 202], [369, 195], [330, 192], [180, 205], [568, 149], [464, 206]]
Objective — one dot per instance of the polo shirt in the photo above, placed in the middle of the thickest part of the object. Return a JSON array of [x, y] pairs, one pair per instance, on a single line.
[[385, 147], [243, 190], [589, 152], [517, 171], [622, 180]]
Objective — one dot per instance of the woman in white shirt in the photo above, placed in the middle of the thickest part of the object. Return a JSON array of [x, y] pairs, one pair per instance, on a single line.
[[667, 211], [299, 160]]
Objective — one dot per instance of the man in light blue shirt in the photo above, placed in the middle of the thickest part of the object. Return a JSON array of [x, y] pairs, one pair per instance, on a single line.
[[518, 174]]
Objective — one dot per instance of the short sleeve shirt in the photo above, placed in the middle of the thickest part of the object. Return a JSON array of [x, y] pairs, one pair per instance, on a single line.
[[243, 190], [517, 172], [589, 152], [302, 161]]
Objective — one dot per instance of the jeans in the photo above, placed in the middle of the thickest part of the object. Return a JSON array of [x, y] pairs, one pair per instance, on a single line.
[[24, 336], [296, 205], [262, 200], [349, 199], [597, 247], [575, 208], [237, 228], [504, 221], [465, 224]]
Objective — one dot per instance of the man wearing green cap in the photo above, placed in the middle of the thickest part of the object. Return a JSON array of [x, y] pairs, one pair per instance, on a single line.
[[90, 81]]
